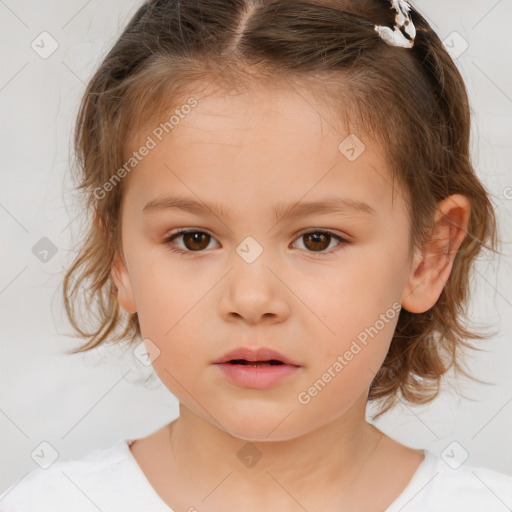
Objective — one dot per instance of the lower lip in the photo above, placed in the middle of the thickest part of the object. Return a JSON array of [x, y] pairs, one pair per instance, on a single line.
[[256, 377]]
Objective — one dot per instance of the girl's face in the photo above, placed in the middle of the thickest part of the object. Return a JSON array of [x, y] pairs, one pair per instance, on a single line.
[[252, 277]]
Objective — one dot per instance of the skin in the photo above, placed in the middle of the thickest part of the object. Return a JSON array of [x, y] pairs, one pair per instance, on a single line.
[[249, 152]]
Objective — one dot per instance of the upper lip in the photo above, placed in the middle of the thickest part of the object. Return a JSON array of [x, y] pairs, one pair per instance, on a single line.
[[258, 354]]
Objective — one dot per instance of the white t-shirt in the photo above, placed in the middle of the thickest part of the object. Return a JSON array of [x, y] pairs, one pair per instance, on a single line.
[[110, 480]]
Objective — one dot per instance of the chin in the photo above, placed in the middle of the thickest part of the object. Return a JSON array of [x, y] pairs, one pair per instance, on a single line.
[[258, 429]]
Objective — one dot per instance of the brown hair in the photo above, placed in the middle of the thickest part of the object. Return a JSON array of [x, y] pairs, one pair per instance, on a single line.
[[411, 101]]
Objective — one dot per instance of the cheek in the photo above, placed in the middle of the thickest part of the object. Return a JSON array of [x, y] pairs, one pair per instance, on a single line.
[[346, 363], [182, 358], [175, 324], [355, 294], [356, 310], [171, 312], [166, 290]]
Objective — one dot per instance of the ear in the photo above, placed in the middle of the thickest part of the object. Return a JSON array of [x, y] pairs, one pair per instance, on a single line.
[[123, 284], [433, 263]]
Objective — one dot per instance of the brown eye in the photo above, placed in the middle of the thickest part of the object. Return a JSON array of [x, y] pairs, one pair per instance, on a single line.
[[193, 241], [319, 241], [197, 241]]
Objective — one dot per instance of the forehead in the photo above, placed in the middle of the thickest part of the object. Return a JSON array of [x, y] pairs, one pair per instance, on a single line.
[[256, 116], [266, 146]]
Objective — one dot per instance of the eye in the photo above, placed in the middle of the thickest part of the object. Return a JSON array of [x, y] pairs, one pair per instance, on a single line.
[[317, 241], [195, 240]]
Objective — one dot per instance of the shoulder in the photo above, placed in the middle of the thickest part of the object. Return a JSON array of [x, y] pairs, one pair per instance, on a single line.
[[68, 485], [446, 486]]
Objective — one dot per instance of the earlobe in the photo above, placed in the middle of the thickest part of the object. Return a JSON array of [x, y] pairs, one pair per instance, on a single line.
[[122, 281], [433, 263]]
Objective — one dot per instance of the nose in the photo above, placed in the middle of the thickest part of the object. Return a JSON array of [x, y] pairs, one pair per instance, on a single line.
[[253, 292]]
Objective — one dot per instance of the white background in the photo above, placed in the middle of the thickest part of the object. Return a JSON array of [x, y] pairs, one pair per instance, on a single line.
[[82, 403]]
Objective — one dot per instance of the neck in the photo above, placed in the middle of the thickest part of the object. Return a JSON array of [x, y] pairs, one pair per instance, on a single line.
[[331, 457]]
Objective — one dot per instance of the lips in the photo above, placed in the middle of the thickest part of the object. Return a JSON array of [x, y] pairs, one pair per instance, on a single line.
[[257, 369], [256, 357]]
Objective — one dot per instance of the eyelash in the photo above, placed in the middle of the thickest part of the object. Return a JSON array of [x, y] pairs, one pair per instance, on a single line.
[[167, 241]]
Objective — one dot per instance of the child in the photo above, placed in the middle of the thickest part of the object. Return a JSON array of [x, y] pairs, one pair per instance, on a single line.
[[285, 209]]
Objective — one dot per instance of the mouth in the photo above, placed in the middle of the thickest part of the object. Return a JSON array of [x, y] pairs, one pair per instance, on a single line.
[[272, 362], [261, 368], [262, 356]]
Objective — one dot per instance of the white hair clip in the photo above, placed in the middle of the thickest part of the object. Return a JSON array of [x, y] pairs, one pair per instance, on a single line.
[[403, 22]]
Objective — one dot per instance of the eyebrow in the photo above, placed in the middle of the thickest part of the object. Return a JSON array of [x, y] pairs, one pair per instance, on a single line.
[[334, 205]]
